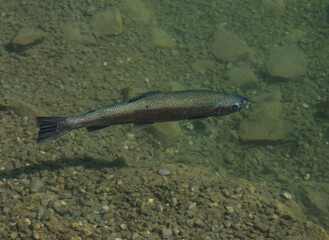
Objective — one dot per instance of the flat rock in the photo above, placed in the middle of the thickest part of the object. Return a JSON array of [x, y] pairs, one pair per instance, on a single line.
[[227, 47], [315, 197], [36, 184], [161, 39], [265, 110], [138, 12], [262, 130], [242, 76], [167, 133], [200, 66], [106, 23], [79, 33], [287, 62], [28, 36], [23, 109]]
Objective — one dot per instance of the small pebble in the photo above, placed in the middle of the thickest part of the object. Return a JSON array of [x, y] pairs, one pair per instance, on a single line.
[[286, 195], [307, 176], [35, 185], [166, 233], [164, 171], [192, 205], [229, 209], [76, 214], [105, 209]]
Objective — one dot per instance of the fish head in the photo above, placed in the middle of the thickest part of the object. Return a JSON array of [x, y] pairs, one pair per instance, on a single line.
[[230, 103]]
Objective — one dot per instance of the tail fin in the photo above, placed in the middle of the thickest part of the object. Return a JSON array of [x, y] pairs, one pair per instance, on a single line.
[[52, 128]]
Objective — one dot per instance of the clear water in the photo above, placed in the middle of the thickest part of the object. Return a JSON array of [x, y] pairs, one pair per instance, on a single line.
[[281, 140]]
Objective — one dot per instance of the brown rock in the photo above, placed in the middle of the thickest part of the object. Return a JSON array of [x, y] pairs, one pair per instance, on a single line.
[[167, 133], [23, 109], [264, 130], [138, 12], [242, 76], [161, 39], [28, 36], [73, 32], [287, 62], [227, 47], [108, 22]]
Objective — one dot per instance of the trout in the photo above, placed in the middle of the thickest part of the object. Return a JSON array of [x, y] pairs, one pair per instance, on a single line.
[[144, 110]]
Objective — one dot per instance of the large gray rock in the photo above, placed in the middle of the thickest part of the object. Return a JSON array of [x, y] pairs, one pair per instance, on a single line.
[[73, 32], [161, 39], [108, 22], [263, 130], [242, 76], [138, 12], [28, 36], [23, 109], [264, 123], [314, 195], [200, 66], [265, 110], [167, 133], [287, 62], [227, 47]]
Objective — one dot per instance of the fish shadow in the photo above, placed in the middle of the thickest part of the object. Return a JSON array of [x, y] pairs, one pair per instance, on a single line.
[[62, 163]]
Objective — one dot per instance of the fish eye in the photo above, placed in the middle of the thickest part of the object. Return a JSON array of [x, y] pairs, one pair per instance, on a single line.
[[235, 107]]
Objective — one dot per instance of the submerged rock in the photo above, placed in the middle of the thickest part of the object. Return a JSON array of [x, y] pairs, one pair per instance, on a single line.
[[265, 130], [242, 76], [23, 109], [138, 12], [79, 33], [108, 22], [36, 184], [28, 36], [161, 39], [286, 62], [227, 47], [167, 133], [200, 66], [264, 123]]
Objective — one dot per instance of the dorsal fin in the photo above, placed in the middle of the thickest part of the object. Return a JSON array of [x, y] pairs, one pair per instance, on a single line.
[[142, 95]]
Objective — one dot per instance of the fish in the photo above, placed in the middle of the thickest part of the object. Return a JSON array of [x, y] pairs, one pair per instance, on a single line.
[[145, 109]]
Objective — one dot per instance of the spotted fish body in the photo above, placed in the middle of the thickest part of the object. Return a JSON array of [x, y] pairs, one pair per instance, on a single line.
[[146, 109]]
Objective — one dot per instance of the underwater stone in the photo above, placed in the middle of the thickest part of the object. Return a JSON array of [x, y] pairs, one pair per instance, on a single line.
[[28, 36], [264, 130], [286, 62], [35, 185], [161, 39], [242, 76], [108, 22], [167, 133], [164, 171], [227, 47]]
